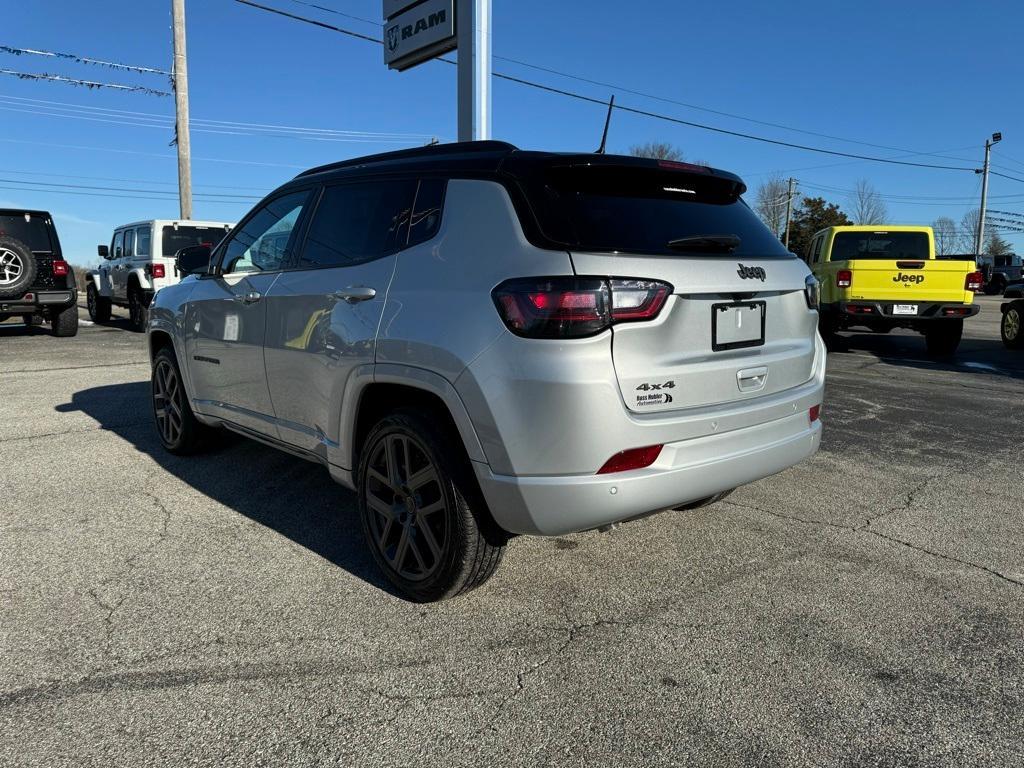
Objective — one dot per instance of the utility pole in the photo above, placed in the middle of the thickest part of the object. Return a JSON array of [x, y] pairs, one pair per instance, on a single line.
[[473, 30], [181, 131], [979, 242], [789, 208]]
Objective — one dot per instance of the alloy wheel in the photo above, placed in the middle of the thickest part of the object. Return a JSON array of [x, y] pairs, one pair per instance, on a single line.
[[135, 308], [90, 301], [168, 402], [1011, 324], [408, 520], [11, 266]]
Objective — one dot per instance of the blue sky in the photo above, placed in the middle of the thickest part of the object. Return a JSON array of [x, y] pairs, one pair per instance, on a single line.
[[914, 76]]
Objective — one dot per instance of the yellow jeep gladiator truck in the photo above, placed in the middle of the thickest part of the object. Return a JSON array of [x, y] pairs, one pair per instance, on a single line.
[[881, 277]]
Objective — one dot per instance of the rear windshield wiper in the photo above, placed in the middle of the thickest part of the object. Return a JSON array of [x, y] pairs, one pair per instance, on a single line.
[[723, 243]]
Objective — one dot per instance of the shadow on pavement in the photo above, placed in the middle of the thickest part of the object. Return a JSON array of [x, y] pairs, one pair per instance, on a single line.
[[982, 356], [293, 497]]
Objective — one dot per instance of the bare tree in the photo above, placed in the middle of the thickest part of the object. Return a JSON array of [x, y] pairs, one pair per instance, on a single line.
[[657, 149], [968, 231], [945, 235], [867, 204], [770, 203], [995, 245]]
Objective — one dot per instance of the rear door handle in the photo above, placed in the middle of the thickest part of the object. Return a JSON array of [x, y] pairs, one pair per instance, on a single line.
[[354, 294], [752, 379], [249, 298]]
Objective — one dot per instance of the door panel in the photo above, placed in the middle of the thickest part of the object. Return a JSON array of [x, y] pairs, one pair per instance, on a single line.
[[226, 327], [316, 340]]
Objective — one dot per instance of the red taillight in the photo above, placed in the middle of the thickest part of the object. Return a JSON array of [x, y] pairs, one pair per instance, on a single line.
[[844, 278], [156, 270], [634, 458], [674, 165], [975, 281], [574, 307], [814, 413], [60, 268], [956, 311]]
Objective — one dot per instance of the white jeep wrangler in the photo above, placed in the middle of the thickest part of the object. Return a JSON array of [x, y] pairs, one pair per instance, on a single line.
[[140, 261]]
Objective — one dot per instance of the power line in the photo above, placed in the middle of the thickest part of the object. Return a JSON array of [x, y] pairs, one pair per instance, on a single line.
[[83, 83], [653, 96], [630, 110], [122, 180], [1003, 175], [82, 60], [171, 199], [119, 189], [164, 120]]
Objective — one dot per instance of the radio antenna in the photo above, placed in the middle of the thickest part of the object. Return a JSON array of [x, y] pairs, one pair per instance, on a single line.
[[607, 122]]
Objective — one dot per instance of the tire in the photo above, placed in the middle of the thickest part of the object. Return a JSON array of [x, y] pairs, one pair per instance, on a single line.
[[1011, 328], [427, 538], [17, 267], [704, 502], [943, 337], [180, 432], [138, 312], [99, 307], [65, 322]]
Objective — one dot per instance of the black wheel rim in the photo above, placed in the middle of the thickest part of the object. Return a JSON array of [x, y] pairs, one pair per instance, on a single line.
[[168, 402], [90, 301], [407, 511]]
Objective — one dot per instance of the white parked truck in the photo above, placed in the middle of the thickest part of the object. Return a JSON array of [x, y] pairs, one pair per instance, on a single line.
[[139, 261]]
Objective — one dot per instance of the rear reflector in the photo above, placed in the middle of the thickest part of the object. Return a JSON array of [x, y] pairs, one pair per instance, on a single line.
[[60, 268], [844, 278], [956, 311], [814, 413], [856, 309], [975, 281], [634, 458]]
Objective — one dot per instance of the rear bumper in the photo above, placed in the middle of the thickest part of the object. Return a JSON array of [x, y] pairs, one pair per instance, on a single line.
[[686, 471], [857, 312], [36, 300]]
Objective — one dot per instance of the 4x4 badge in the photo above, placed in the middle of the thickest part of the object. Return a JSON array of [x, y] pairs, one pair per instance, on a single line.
[[748, 273]]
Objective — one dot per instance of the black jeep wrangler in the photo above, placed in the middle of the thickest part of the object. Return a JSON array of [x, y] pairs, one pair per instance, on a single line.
[[35, 281]]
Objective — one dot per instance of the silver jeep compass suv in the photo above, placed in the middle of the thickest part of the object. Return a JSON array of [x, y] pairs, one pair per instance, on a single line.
[[484, 341]]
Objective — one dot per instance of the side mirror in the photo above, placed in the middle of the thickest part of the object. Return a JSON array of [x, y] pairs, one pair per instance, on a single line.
[[103, 251], [194, 260]]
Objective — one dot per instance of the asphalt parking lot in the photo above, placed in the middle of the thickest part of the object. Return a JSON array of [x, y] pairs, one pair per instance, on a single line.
[[864, 608]]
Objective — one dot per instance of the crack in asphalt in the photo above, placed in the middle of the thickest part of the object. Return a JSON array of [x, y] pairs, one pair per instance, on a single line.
[[104, 428], [908, 502]]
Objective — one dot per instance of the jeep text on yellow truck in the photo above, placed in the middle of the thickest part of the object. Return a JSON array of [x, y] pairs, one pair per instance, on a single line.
[[881, 277]]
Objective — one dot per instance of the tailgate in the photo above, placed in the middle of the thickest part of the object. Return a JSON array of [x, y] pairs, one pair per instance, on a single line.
[[925, 280], [674, 362]]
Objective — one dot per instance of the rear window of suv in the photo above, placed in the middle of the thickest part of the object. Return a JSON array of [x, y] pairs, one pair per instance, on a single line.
[[879, 245], [176, 238], [33, 232], [641, 209]]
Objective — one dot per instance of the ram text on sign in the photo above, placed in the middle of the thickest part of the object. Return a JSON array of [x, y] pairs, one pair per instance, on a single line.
[[419, 34]]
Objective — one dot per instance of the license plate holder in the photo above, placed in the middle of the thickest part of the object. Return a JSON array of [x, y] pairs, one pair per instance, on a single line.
[[904, 309], [737, 324]]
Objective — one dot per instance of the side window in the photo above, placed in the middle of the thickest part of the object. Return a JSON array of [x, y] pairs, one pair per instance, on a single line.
[[426, 218], [266, 241], [118, 249], [143, 239], [129, 243], [816, 249], [358, 222]]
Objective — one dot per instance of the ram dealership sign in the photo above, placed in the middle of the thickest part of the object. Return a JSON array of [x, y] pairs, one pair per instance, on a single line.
[[414, 33]]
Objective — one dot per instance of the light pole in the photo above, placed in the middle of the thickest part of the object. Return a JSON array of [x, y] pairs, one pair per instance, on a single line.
[[980, 240]]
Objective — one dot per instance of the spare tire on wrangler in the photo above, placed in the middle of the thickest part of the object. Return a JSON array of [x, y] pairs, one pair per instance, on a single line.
[[17, 267]]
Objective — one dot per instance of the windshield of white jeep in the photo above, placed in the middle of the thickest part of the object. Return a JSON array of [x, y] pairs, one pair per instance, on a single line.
[[34, 233], [647, 210], [176, 238], [879, 245]]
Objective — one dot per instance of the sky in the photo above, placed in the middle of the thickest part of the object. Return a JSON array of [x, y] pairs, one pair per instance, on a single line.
[[925, 82]]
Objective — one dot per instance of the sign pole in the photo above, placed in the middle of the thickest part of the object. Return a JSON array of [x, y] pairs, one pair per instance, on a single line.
[[473, 29]]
